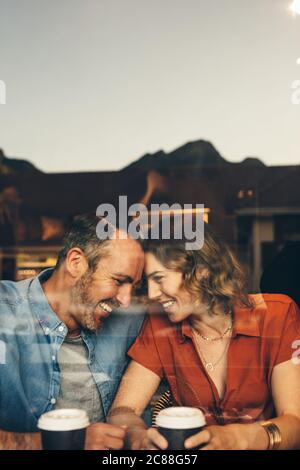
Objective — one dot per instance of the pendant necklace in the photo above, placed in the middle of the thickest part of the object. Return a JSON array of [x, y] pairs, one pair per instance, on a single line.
[[209, 365]]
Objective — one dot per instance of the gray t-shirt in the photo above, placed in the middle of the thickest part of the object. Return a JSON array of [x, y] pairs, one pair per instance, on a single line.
[[78, 388]]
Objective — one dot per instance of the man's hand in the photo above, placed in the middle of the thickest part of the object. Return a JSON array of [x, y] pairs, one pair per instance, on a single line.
[[103, 436], [20, 441]]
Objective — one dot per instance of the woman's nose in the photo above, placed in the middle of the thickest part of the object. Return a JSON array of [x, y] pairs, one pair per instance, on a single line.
[[154, 290]]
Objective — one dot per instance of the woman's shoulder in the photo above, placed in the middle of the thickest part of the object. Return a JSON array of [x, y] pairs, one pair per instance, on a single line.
[[271, 302], [273, 310]]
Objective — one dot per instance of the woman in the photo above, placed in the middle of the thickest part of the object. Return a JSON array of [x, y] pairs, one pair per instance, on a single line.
[[230, 354]]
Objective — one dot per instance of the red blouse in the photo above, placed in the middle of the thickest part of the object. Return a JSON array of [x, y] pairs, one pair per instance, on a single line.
[[262, 337]]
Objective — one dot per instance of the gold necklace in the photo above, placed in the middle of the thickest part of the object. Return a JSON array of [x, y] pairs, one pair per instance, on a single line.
[[209, 366], [207, 338]]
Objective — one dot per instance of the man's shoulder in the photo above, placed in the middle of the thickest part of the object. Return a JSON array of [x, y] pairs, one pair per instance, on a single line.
[[12, 292], [132, 316], [13, 296], [124, 323]]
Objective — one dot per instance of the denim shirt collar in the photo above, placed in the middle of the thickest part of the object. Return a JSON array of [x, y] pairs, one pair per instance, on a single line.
[[47, 318]]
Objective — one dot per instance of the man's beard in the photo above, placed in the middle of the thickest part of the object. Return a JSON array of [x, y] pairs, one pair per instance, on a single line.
[[82, 307]]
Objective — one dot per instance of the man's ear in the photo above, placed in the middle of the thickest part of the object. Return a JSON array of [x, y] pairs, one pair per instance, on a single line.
[[76, 263]]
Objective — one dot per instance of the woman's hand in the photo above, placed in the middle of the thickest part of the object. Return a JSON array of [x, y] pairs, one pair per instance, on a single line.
[[147, 439], [219, 438]]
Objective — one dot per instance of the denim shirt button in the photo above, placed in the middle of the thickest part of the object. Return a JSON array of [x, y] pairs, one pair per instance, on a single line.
[[53, 358], [53, 401], [47, 331], [61, 329]]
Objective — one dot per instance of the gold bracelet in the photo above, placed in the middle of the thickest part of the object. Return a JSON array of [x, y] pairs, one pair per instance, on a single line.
[[274, 434]]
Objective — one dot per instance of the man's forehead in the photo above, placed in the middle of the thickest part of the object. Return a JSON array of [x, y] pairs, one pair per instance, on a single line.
[[126, 261], [127, 248], [124, 244], [121, 263]]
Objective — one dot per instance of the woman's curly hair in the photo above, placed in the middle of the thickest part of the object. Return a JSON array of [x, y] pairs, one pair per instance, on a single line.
[[212, 273]]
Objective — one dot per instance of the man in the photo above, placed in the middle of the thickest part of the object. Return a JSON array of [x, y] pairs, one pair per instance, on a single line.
[[60, 346]]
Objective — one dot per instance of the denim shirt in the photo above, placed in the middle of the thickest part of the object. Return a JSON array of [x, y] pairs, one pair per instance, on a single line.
[[30, 337]]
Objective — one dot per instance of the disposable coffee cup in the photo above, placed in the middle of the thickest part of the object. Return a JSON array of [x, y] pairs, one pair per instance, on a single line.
[[177, 423], [63, 429]]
